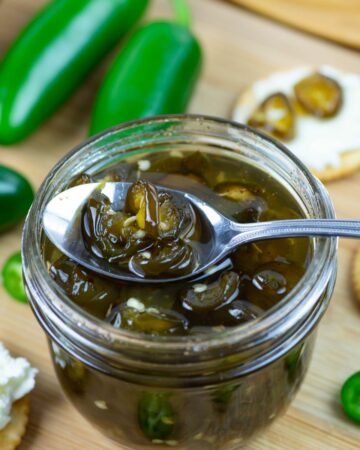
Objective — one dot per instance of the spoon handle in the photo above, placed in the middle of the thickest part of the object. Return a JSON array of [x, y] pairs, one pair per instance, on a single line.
[[294, 228]]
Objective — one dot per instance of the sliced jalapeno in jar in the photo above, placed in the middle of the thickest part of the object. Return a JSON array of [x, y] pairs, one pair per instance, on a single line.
[[223, 395], [143, 200], [202, 298], [166, 258], [156, 416], [293, 361], [135, 316]]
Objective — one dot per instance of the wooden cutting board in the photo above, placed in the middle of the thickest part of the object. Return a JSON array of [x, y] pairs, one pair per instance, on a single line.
[[338, 20], [239, 47]]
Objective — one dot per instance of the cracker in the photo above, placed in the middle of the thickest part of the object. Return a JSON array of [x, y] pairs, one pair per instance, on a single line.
[[349, 159], [356, 275], [11, 435], [349, 164]]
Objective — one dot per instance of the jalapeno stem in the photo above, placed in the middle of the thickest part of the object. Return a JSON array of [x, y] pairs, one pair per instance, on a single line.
[[182, 12]]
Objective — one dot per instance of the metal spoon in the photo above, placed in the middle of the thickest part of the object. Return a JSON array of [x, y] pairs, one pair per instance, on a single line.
[[61, 222]]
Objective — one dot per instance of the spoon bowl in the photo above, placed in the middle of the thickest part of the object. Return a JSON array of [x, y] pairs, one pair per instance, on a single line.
[[62, 225]]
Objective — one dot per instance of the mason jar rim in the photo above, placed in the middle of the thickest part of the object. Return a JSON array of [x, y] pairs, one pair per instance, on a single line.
[[58, 311]]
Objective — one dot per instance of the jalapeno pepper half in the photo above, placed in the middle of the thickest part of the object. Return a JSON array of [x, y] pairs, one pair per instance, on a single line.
[[16, 196], [52, 56]]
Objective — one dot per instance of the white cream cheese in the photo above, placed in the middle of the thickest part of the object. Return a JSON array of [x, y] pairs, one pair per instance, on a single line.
[[17, 378], [317, 142]]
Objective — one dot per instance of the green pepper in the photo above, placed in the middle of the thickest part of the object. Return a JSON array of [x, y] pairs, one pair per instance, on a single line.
[[53, 55], [155, 415], [224, 394], [11, 275], [293, 361], [16, 196], [350, 397], [155, 73]]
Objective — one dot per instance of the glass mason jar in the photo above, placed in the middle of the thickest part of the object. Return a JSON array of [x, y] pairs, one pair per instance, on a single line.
[[195, 392]]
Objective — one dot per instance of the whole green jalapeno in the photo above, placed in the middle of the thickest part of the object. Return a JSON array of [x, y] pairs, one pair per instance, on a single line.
[[16, 196], [154, 73], [52, 56]]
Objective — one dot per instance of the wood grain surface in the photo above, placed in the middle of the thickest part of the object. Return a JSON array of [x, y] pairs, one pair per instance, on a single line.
[[338, 20], [239, 47]]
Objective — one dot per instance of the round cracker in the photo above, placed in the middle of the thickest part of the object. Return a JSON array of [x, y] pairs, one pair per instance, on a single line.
[[356, 275], [11, 435], [349, 164], [349, 159]]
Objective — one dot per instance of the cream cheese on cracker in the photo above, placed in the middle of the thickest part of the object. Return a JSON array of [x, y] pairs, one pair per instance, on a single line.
[[319, 143], [17, 378]]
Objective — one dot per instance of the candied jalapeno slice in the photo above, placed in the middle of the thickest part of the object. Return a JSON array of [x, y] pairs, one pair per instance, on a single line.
[[169, 217], [249, 206], [76, 374], [78, 180], [73, 370], [142, 200], [234, 191], [173, 258], [247, 257], [319, 95], [151, 295], [155, 212], [288, 248], [272, 281], [112, 177], [156, 416], [249, 214], [280, 213], [231, 314], [207, 297], [134, 315], [275, 116], [240, 311], [123, 171], [197, 166], [350, 397], [109, 234], [168, 164], [84, 287], [200, 165]]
